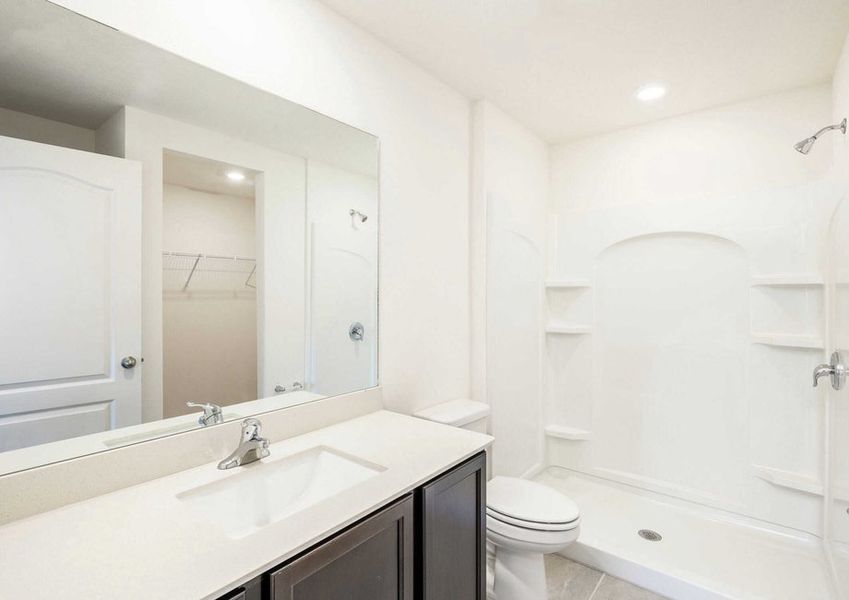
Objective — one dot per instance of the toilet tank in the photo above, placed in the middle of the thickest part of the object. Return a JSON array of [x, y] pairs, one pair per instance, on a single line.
[[464, 413]]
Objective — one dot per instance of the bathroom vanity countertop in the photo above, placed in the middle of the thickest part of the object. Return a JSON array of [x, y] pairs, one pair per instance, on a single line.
[[142, 542]]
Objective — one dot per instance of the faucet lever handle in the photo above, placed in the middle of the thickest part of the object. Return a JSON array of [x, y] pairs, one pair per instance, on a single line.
[[251, 429]]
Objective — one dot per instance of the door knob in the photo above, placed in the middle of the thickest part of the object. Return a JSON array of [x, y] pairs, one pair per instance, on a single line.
[[836, 371], [128, 362]]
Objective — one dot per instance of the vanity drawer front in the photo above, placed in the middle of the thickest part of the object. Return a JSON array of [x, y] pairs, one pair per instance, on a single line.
[[451, 534], [371, 561]]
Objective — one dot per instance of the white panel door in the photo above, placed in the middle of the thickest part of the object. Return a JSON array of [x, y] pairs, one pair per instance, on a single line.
[[70, 293]]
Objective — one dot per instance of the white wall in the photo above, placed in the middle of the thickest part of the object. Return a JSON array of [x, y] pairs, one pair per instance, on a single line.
[[209, 330], [840, 110], [302, 51], [28, 127], [728, 150], [197, 221], [837, 519], [693, 379], [508, 247]]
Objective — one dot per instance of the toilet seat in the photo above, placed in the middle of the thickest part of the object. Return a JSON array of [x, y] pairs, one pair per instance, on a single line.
[[493, 514], [531, 540], [530, 505]]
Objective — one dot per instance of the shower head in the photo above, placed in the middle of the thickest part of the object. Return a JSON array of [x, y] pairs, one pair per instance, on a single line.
[[805, 145]]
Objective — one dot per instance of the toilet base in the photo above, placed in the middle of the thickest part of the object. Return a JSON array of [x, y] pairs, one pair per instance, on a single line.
[[519, 575]]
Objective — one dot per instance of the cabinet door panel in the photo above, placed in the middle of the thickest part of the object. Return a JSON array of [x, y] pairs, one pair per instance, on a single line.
[[371, 561], [451, 534], [252, 590]]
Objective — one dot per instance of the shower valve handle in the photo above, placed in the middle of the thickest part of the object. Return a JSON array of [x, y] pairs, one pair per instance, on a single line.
[[836, 371]]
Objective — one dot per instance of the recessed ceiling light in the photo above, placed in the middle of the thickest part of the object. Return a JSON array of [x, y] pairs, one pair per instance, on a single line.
[[235, 176], [647, 93]]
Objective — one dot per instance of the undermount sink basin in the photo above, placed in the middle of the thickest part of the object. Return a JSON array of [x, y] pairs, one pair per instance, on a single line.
[[269, 490]]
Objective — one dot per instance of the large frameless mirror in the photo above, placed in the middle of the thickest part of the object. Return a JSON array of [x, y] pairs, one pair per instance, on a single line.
[[177, 248]]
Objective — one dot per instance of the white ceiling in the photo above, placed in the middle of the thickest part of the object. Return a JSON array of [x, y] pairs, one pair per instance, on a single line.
[[569, 68], [206, 175], [61, 66]]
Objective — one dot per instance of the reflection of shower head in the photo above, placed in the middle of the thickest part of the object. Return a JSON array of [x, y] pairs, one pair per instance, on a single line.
[[355, 213], [805, 145]]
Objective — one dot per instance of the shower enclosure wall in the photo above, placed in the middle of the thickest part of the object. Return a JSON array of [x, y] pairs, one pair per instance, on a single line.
[[682, 308]]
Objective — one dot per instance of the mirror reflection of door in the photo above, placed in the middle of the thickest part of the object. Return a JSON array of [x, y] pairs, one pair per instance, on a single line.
[[209, 284], [70, 248]]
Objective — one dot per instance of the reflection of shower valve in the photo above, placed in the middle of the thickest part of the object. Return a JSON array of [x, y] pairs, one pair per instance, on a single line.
[[356, 331], [280, 389]]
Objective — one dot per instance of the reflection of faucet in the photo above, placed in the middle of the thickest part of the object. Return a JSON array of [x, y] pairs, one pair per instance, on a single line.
[[252, 448], [282, 389], [212, 414]]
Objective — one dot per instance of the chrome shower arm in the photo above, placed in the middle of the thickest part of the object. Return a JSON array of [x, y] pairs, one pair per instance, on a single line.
[[805, 145], [841, 126]]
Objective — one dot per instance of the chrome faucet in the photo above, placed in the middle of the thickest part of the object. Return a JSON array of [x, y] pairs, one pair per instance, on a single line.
[[252, 448], [212, 414]]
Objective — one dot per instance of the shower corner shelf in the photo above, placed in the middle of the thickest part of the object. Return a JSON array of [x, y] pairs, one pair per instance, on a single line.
[[568, 329], [788, 479], [788, 280], [565, 284], [788, 340], [568, 433]]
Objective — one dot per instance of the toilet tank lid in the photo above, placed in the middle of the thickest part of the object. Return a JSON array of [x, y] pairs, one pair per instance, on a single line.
[[455, 412]]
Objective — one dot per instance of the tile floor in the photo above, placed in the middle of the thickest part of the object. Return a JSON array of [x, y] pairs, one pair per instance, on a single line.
[[569, 580]]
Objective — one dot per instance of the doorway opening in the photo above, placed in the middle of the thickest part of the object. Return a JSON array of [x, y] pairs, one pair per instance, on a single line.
[[209, 277]]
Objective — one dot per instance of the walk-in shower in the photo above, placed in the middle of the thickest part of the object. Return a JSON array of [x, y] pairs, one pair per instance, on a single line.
[[805, 145]]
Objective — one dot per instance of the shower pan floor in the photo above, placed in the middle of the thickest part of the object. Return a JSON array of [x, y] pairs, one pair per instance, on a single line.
[[701, 556]]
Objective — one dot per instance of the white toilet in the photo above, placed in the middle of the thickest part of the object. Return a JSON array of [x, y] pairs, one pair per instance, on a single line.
[[524, 519]]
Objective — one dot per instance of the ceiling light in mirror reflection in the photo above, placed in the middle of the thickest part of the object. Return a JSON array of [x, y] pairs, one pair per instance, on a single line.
[[235, 176], [651, 92]]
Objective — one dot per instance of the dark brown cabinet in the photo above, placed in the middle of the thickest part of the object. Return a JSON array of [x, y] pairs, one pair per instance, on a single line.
[[252, 590], [429, 545], [451, 540], [371, 561]]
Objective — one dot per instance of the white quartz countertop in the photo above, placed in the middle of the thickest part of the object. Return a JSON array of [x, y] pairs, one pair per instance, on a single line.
[[142, 542]]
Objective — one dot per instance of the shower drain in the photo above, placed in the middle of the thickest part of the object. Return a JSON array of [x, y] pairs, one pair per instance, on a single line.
[[648, 534]]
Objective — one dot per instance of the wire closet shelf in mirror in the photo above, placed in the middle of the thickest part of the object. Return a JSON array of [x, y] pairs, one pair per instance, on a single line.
[[184, 271]]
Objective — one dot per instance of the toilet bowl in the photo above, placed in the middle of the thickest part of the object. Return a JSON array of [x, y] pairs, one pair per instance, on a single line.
[[525, 520]]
